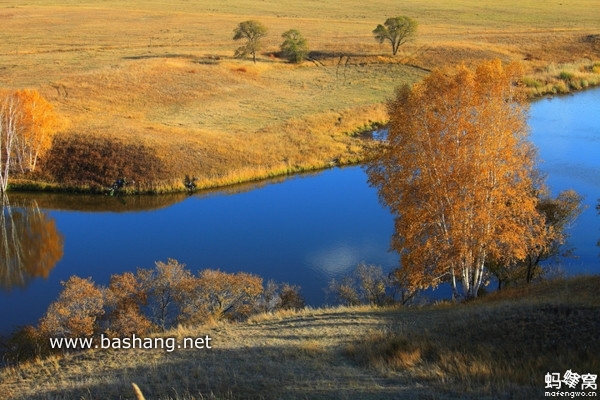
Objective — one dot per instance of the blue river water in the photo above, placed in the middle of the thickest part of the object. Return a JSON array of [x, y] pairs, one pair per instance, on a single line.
[[304, 230]]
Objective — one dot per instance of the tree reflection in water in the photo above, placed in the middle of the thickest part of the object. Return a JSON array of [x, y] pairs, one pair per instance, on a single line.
[[30, 245]]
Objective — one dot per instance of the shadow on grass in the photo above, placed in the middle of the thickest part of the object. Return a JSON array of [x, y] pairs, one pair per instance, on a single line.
[[266, 372], [488, 349], [503, 351], [165, 55]]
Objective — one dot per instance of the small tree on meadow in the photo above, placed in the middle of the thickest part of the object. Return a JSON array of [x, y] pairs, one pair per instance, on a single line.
[[397, 31], [295, 47], [250, 31]]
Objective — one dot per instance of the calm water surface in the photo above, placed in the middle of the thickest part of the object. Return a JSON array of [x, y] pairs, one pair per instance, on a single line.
[[304, 230], [566, 131]]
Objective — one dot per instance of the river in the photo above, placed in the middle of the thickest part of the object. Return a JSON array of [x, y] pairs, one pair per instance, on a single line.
[[304, 230]]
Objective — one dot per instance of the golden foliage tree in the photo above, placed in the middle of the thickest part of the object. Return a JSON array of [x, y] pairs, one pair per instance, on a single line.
[[30, 243], [124, 298], [27, 126], [458, 173], [77, 311], [559, 213], [217, 295], [39, 123]]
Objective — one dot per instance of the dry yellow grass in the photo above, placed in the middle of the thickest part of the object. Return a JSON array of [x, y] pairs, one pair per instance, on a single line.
[[496, 347], [162, 74]]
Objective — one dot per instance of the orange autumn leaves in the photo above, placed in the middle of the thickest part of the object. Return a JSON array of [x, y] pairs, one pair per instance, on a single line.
[[458, 173], [27, 126], [151, 300], [30, 243]]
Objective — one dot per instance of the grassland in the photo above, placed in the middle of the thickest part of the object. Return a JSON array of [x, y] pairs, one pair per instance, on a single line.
[[161, 74], [498, 347]]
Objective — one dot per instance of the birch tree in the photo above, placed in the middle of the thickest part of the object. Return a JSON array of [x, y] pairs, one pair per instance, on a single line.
[[217, 295], [11, 116], [30, 243], [458, 173], [39, 123], [27, 126], [164, 288]]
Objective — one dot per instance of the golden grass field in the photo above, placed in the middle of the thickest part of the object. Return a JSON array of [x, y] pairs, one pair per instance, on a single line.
[[162, 74], [498, 347]]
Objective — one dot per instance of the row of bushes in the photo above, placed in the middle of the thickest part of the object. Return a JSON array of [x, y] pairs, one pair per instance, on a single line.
[[151, 300], [155, 300]]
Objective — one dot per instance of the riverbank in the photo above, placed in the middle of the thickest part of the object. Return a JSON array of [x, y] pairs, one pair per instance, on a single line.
[[167, 100], [342, 143], [563, 78], [500, 346]]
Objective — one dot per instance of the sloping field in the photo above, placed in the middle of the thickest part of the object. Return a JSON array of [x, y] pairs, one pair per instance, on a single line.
[[498, 347], [162, 75]]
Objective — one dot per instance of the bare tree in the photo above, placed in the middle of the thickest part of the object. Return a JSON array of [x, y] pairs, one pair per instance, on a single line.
[[164, 288]]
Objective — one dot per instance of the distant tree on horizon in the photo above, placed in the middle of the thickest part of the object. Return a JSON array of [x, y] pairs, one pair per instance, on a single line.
[[295, 46], [251, 31], [396, 30]]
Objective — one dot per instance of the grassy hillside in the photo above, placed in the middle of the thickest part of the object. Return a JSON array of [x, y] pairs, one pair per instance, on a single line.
[[500, 346], [161, 74]]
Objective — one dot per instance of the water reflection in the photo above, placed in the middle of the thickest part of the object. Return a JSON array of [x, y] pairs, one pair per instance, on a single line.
[[93, 203], [99, 203], [30, 245]]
